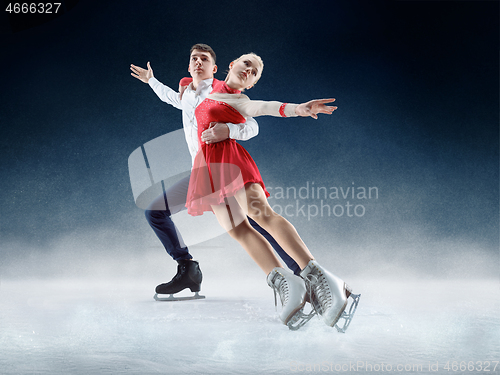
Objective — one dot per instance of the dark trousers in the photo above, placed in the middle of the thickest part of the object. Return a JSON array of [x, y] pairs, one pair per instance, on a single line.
[[172, 201]]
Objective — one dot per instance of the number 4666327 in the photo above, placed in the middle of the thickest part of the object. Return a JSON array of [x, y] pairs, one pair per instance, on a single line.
[[483, 366], [32, 8]]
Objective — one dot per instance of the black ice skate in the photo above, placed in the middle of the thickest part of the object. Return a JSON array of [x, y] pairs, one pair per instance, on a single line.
[[188, 276]]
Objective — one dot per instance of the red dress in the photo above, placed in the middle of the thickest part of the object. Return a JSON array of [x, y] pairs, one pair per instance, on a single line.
[[220, 169]]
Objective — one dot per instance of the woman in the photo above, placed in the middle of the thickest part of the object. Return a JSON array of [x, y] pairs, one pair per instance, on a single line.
[[226, 180]]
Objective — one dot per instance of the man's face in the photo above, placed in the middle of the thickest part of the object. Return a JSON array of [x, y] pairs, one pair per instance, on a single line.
[[201, 65]]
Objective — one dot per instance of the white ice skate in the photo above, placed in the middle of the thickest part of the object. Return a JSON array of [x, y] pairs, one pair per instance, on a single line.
[[292, 292], [329, 296]]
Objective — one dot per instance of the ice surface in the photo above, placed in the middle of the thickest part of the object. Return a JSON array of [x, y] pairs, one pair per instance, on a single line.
[[84, 305], [113, 326]]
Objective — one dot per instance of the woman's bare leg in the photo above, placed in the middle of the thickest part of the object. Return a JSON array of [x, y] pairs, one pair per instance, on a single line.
[[233, 219], [317, 278], [280, 228]]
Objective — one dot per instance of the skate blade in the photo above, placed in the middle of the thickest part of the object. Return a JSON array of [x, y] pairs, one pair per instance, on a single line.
[[300, 319], [347, 316], [173, 298]]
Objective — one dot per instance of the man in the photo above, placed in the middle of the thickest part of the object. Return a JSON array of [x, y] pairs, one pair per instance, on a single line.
[[202, 67]]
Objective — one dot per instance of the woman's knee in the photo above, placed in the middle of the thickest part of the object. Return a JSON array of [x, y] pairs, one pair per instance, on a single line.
[[241, 230], [265, 217]]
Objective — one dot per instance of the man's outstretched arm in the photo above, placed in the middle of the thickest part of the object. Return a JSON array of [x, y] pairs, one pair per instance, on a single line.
[[164, 92], [142, 74]]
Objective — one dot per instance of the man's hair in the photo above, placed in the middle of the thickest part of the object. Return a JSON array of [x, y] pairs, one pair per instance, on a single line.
[[203, 47]]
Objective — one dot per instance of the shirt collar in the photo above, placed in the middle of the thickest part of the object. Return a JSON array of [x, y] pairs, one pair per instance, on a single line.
[[202, 85]]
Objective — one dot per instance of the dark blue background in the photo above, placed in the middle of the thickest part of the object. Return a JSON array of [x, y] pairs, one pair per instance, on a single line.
[[416, 84]]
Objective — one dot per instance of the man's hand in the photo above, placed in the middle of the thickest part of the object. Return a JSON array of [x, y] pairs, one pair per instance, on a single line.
[[313, 107], [218, 131], [141, 73]]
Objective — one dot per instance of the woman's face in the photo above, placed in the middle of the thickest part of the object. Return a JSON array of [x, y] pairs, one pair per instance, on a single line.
[[244, 72]]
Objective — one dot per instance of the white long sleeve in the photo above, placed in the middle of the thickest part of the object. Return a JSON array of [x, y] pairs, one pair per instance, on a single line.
[[165, 93], [254, 108], [245, 131]]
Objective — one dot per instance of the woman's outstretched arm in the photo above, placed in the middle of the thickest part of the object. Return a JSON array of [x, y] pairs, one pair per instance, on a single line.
[[313, 107], [254, 108]]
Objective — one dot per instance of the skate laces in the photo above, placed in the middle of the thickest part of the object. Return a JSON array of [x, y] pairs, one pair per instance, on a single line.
[[281, 286], [318, 286], [181, 270]]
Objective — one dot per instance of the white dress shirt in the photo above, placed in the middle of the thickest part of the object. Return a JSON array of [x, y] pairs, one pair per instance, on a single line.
[[190, 100]]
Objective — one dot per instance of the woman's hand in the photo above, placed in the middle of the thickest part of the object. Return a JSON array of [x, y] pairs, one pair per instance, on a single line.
[[140, 73], [313, 107]]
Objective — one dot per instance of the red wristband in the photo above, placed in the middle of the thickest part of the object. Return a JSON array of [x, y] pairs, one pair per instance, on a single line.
[[282, 109]]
